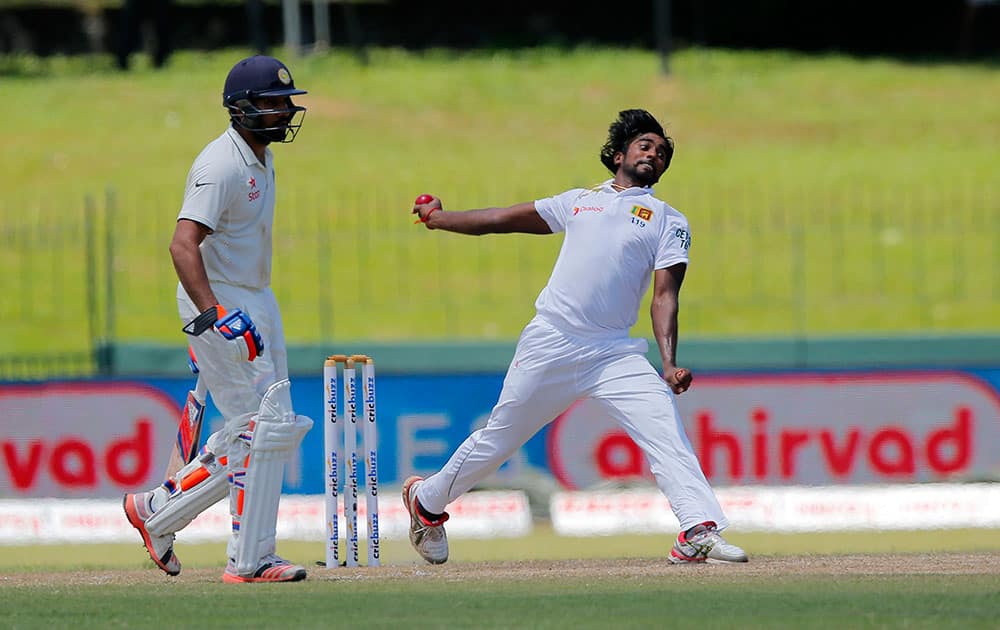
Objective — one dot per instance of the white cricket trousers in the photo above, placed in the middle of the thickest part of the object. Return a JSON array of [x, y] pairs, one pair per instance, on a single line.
[[549, 372], [237, 386]]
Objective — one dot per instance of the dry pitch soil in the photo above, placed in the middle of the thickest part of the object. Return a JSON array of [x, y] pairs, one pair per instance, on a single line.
[[986, 563]]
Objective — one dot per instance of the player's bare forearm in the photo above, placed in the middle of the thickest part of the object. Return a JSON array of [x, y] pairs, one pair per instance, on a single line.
[[189, 265], [663, 311], [474, 222], [191, 273], [521, 218]]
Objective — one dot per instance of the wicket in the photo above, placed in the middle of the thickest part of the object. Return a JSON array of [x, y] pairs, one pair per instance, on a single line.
[[334, 421]]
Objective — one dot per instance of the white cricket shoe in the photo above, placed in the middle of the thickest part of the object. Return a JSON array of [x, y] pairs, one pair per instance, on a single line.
[[272, 568], [427, 537], [705, 544], [160, 548]]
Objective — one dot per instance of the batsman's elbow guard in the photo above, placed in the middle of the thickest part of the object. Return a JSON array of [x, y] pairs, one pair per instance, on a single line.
[[238, 327]]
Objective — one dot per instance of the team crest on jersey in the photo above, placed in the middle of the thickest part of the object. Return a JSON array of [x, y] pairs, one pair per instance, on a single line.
[[640, 216], [644, 214]]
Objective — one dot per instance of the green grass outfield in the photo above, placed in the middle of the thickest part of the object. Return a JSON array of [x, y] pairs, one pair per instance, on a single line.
[[827, 195], [792, 581]]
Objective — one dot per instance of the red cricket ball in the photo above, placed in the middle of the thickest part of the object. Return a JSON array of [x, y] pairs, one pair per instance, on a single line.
[[423, 199]]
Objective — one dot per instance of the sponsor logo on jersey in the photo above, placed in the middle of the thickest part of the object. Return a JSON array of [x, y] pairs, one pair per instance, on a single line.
[[644, 214], [684, 236], [254, 193], [578, 209]]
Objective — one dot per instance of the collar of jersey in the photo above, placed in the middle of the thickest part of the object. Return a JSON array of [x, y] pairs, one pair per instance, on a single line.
[[245, 150], [628, 192]]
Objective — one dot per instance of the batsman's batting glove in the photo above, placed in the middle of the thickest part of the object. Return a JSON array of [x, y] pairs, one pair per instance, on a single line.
[[237, 326]]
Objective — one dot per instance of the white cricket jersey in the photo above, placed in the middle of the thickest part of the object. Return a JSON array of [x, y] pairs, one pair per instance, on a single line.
[[613, 243], [232, 193]]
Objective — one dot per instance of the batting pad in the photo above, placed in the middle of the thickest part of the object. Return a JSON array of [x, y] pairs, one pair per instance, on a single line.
[[277, 433], [208, 485]]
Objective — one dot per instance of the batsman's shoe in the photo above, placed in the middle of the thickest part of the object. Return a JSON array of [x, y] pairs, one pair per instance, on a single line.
[[705, 544], [427, 536], [160, 548], [272, 568]]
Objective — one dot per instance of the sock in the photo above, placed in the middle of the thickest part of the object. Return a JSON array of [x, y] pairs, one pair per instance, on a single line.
[[430, 516], [703, 526]]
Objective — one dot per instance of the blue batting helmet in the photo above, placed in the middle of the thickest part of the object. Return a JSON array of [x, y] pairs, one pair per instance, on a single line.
[[256, 77]]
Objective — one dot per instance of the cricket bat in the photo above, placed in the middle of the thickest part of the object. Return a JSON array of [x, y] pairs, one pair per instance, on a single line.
[[188, 430]]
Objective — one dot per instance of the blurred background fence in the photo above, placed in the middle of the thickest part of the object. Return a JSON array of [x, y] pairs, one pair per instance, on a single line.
[[806, 264], [965, 28]]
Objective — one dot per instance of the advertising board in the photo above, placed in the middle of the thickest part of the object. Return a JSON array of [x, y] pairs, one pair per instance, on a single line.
[[100, 438]]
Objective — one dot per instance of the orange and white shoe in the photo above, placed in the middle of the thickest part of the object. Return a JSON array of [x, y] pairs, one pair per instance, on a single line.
[[705, 544], [272, 568], [160, 548], [427, 536]]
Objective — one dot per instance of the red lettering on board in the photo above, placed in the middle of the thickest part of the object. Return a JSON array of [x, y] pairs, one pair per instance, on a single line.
[[960, 436], [618, 456], [840, 462], [899, 427], [23, 473], [74, 463], [710, 439], [891, 452], [138, 447], [791, 441], [759, 417]]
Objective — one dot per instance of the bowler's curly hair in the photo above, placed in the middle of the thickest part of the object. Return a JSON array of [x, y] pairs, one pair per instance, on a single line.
[[630, 124]]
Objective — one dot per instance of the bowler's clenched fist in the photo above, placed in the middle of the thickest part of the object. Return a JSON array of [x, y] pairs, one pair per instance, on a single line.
[[679, 379]]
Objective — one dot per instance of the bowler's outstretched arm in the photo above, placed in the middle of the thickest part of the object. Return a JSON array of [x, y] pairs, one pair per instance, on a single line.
[[522, 218]]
